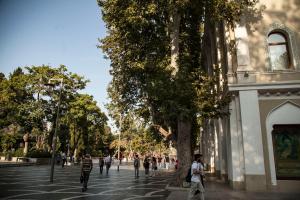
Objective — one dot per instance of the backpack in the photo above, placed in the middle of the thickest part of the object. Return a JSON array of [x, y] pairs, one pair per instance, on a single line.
[[136, 163], [188, 176]]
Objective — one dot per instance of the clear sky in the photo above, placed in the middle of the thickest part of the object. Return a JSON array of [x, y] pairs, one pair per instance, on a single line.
[[54, 32]]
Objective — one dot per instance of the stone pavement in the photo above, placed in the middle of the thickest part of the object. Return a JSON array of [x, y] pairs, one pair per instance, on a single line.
[[32, 182], [217, 190]]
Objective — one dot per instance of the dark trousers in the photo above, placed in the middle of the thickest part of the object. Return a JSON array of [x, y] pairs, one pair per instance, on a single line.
[[136, 172], [146, 171], [107, 168], [63, 162], [101, 169], [86, 176]]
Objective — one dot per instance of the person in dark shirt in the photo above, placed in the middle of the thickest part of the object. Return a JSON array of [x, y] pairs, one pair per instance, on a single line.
[[101, 164], [146, 166], [136, 164], [86, 168]]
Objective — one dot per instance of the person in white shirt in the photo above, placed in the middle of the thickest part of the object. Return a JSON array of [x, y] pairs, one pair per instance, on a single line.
[[107, 162], [197, 188]]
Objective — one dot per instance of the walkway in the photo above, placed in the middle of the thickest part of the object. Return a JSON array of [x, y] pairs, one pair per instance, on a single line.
[[216, 190], [32, 182]]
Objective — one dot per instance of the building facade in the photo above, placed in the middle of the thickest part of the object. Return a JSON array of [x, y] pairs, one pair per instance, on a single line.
[[257, 147]]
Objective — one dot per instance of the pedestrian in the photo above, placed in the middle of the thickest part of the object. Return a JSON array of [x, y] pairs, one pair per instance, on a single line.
[[196, 185], [107, 162], [153, 166], [101, 164], [71, 158], [86, 168], [159, 159], [136, 164], [146, 166], [64, 159], [173, 163], [167, 162]]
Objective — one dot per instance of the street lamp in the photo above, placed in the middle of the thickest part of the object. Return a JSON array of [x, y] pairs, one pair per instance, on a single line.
[[119, 161], [56, 124]]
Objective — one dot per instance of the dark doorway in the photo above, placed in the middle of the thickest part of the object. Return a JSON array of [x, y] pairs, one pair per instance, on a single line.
[[286, 145]]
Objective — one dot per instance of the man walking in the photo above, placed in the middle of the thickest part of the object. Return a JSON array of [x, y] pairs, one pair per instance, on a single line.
[[107, 162], [196, 185], [136, 164], [86, 168], [146, 166], [101, 164], [64, 159], [167, 162]]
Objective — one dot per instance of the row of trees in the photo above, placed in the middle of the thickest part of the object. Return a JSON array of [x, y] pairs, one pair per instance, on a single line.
[[136, 136], [28, 110], [162, 66]]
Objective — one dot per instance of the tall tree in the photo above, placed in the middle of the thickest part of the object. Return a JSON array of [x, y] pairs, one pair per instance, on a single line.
[[27, 102], [156, 48]]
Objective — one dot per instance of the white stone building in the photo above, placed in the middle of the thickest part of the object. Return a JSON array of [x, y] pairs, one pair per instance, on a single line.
[[257, 147]]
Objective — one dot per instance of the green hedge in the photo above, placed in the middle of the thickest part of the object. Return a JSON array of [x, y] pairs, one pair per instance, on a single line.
[[18, 153], [38, 154]]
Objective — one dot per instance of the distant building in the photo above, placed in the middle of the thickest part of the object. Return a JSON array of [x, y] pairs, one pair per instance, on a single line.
[[257, 147]]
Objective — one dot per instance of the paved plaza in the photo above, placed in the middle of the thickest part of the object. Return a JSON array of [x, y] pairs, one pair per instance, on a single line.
[[32, 182]]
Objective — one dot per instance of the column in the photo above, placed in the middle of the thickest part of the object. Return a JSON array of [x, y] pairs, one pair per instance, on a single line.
[[236, 159], [252, 141]]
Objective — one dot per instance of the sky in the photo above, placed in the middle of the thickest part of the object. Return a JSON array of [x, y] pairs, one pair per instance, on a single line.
[[55, 32]]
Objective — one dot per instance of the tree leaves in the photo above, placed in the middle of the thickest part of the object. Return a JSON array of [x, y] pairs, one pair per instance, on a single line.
[[26, 100]]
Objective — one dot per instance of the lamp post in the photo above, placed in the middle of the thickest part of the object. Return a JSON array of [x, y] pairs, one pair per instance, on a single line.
[[119, 161], [56, 125]]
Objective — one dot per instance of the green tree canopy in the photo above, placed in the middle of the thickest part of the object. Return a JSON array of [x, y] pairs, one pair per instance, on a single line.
[[160, 65], [27, 101]]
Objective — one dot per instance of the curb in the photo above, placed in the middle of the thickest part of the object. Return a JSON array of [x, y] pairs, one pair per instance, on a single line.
[[16, 165]]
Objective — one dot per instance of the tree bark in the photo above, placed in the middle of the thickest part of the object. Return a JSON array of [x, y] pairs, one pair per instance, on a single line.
[[183, 150], [174, 36], [183, 144]]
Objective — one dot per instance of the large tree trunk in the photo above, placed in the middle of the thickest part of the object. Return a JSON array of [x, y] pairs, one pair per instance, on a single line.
[[183, 150], [174, 36], [183, 144]]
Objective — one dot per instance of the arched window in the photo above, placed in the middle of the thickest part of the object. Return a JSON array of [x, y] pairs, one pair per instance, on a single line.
[[279, 52]]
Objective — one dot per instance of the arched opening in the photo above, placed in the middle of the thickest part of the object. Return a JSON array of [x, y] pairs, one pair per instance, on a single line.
[[288, 114], [279, 51]]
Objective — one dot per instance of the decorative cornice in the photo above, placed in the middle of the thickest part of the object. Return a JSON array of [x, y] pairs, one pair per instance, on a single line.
[[265, 86]]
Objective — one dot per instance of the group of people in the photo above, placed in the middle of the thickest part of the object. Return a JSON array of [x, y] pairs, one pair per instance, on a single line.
[[63, 159], [152, 163], [196, 172], [105, 161]]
